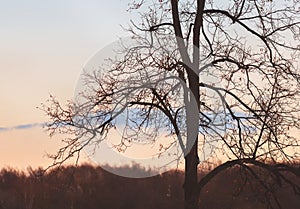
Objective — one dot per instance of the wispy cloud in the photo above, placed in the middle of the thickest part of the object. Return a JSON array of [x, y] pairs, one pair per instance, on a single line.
[[3, 129], [28, 126], [21, 127]]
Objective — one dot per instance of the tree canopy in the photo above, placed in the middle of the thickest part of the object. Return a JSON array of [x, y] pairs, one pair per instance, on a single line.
[[215, 71]]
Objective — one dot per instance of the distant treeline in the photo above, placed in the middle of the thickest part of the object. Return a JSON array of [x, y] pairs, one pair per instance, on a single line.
[[88, 187]]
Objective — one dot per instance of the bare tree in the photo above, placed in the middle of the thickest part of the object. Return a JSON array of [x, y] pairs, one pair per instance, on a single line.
[[251, 106]]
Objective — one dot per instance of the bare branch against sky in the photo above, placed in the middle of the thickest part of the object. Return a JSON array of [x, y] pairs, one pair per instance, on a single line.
[[196, 73]]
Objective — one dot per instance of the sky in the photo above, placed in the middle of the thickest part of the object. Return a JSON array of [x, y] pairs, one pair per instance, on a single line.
[[43, 48]]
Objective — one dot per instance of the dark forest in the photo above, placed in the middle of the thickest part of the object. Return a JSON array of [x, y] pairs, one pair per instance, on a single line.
[[91, 187]]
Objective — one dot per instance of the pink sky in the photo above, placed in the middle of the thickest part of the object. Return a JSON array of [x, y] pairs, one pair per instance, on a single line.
[[44, 46]]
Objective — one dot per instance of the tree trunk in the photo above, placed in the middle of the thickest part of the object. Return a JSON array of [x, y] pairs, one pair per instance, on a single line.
[[191, 194]]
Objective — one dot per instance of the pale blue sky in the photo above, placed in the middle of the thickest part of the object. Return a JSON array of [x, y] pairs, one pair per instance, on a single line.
[[43, 47]]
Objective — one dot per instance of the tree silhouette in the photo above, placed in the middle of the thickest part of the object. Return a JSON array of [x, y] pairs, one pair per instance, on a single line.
[[216, 71]]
